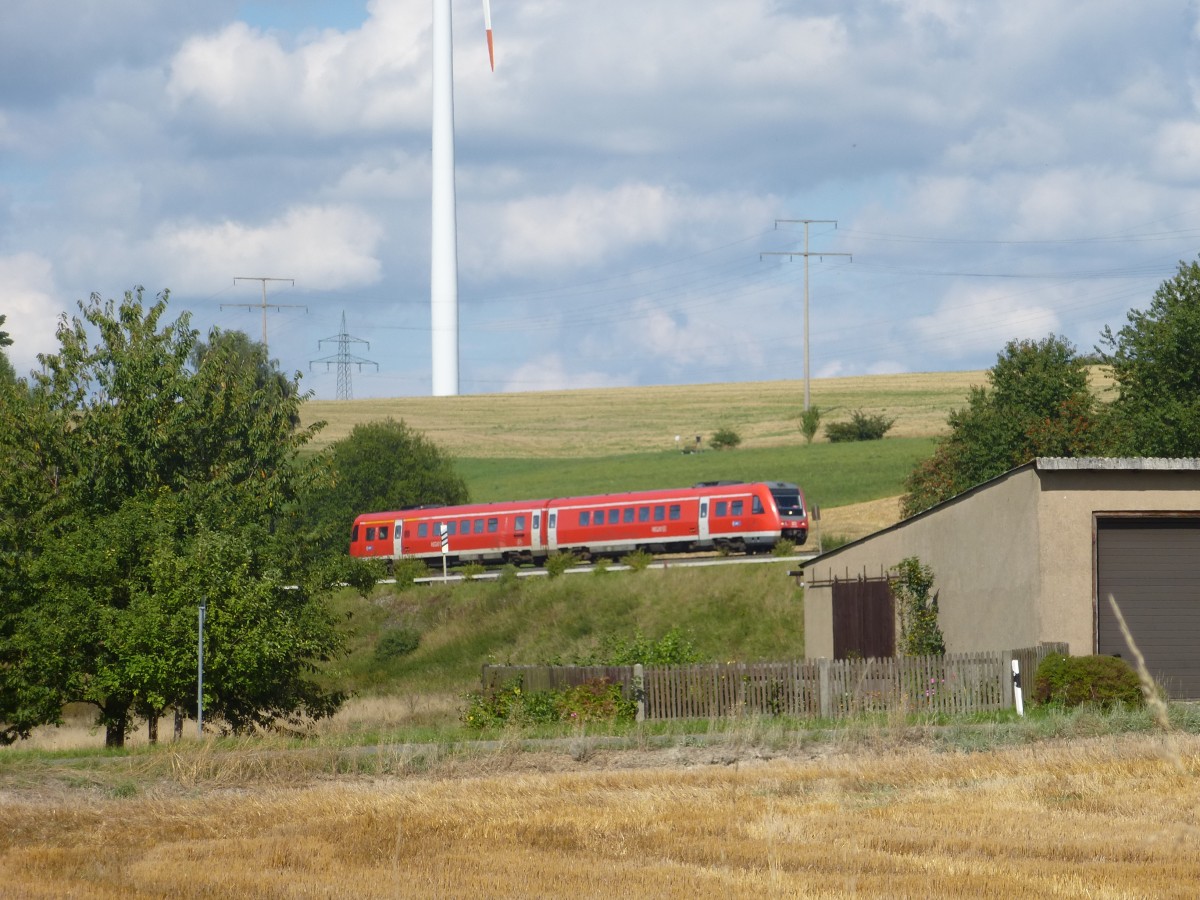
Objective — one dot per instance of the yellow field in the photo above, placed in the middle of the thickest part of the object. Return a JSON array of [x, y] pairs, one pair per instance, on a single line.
[[753, 816], [610, 421]]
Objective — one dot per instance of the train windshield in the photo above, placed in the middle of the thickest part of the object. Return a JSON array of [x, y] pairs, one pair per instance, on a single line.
[[787, 498]]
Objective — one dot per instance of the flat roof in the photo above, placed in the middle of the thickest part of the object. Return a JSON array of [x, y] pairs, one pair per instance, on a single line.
[[1135, 463]]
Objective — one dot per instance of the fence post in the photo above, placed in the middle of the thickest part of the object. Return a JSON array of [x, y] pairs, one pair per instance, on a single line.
[[824, 688], [639, 690]]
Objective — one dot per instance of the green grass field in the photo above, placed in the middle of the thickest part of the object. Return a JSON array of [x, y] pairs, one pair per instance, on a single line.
[[830, 474]]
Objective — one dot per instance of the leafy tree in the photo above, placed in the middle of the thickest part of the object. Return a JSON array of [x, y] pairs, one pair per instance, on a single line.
[[131, 486], [380, 466], [1039, 404], [1155, 360], [725, 439], [810, 422]]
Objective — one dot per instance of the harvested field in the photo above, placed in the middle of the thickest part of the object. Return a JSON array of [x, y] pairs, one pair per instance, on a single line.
[[1110, 816]]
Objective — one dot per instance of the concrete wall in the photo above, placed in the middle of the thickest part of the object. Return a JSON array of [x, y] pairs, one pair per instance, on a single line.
[[983, 549]]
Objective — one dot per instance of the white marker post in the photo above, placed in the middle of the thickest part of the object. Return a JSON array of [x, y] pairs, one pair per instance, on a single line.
[[1016, 677], [444, 529]]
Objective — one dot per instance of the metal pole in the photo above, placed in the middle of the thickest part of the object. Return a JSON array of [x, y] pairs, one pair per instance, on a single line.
[[200, 671]]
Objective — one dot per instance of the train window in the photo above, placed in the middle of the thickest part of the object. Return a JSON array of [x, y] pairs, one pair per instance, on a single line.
[[383, 530], [479, 526], [627, 514], [643, 514], [737, 507], [674, 512], [585, 517], [550, 521], [422, 529], [757, 507], [660, 513], [354, 533], [452, 528], [614, 516], [519, 523], [722, 508], [370, 532], [493, 526], [537, 521], [704, 509], [598, 517]]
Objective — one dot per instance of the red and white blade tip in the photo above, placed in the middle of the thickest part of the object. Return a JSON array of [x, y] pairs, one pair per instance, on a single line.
[[487, 24]]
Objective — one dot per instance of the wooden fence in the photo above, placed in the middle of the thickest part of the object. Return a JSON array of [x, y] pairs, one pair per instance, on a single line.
[[953, 684]]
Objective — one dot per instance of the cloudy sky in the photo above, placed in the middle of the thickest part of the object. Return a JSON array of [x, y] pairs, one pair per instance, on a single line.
[[996, 170]]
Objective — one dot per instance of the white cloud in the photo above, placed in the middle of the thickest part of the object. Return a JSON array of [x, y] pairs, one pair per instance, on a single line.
[[550, 373], [976, 321], [30, 307]]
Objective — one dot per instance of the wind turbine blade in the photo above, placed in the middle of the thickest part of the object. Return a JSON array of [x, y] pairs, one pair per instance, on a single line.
[[487, 23]]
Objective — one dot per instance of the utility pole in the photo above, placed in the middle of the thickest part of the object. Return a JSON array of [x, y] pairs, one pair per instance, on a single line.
[[264, 304], [344, 360], [806, 254]]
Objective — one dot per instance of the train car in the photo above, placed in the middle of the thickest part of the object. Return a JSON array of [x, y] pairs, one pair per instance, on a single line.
[[746, 517], [484, 532], [733, 515]]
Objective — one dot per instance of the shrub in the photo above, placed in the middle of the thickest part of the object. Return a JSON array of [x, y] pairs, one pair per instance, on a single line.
[[472, 570], [638, 560], [783, 547], [593, 701], [1076, 680], [861, 427], [810, 422], [396, 643], [407, 571], [672, 649], [558, 563], [917, 607], [724, 439], [508, 577]]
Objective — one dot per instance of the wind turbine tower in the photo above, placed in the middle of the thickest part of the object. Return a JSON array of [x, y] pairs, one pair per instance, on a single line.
[[443, 273]]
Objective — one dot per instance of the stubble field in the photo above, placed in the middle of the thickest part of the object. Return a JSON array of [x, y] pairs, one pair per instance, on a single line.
[[757, 815]]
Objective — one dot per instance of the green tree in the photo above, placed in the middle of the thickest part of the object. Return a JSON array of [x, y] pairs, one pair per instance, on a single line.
[[810, 422], [380, 466], [1155, 360], [132, 485], [1039, 404]]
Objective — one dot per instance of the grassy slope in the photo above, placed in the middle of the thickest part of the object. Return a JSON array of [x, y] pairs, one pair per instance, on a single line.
[[728, 613]]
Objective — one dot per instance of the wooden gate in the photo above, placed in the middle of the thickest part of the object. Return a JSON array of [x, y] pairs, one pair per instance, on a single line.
[[864, 619]]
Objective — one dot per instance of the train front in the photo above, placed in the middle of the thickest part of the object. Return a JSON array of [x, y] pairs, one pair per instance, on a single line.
[[793, 513]]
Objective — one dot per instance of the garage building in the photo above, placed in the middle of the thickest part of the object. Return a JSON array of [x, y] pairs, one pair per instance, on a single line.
[[1032, 556]]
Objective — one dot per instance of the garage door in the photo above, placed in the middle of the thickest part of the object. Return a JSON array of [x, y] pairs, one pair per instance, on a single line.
[[1152, 567]]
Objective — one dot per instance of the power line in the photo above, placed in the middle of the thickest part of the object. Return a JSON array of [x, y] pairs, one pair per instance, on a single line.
[[264, 303], [344, 360]]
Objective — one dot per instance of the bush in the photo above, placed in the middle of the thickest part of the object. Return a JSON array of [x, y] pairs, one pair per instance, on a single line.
[[810, 422], [725, 439], [672, 649], [558, 563], [407, 571], [861, 427], [783, 547], [396, 643], [917, 608], [593, 701], [638, 560], [472, 570], [1076, 680]]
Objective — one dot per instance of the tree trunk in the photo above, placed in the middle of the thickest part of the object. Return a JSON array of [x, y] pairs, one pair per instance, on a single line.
[[116, 722], [178, 732], [152, 727]]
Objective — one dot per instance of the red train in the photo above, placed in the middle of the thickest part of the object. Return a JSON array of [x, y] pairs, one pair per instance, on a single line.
[[749, 517]]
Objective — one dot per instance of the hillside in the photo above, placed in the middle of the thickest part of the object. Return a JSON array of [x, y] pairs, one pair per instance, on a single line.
[[612, 421]]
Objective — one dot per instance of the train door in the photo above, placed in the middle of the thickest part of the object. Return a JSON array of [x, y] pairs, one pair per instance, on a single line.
[[537, 543], [702, 531], [551, 530], [398, 538]]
